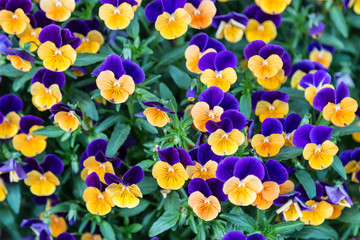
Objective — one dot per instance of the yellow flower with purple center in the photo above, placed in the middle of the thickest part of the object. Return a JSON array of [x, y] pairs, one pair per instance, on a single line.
[[13, 19], [206, 162], [88, 32], [95, 160], [273, 6], [202, 12], [45, 88], [200, 45], [270, 64], [336, 105], [301, 68], [57, 10], [275, 175], [20, 59], [97, 201], [117, 14], [351, 161], [125, 192], [212, 103], [242, 179], [218, 69], [272, 104], [169, 16], [205, 197], [269, 142], [321, 53], [261, 26], [66, 117], [225, 135], [57, 49], [355, 4], [312, 83], [318, 149], [12, 171], [10, 105], [156, 113], [316, 29], [230, 26], [116, 78], [42, 177], [28, 143], [170, 171], [291, 123]]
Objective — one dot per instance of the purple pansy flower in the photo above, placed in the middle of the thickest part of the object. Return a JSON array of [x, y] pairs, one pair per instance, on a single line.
[[338, 195], [255, 12], [4, 43], [291, 123], [38, 226], [60, 37], [351, 161], [231, 20], [316, 29], [14, 169], [39, 19], [155, 8]]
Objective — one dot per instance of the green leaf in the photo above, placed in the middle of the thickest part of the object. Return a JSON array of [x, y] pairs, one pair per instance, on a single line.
[[14, 197], [348, 130], [295, 94], [288, 152], [172, 201], [86, 59], [7, 219], [181, 78], [50, 131], [145, 125], [165, 93], [145, 164], [59, 208], [8, 70], [134, 28], [118, 137], [243, 221], [285, 227], [20, 82], [339, 21], [350, 215], [107, 231], [330, 39], [245, 105], [165, 222], [307, 182], [87, 105], [129, 212], [338, 167], [173, 55], [135, 227], [317, 232], [107, 123], [147, 185]]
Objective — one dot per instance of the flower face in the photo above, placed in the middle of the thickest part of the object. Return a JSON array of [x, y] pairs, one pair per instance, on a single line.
[[57, 225], [201, 13], [230, 26], [67, 120], [19, 59], [13, 19], [9, 106], [300, 69], [31, 36], [116, 17], [312, 83], [321, 211], [156, 113], [100, 168], [350, 159], [291, 123], [58, 10], [320, 53]]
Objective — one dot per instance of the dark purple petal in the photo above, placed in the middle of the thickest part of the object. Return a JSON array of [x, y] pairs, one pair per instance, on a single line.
[[133, 70], [219, 18], [304, 66], [323, 97], [271, 126], [199, 184], [240, 18], [112, 63], [49, 78], [224, 124], [59, 107], [53, 164], [292, 122], [286, 58], [169, 155], [95, 146], [251, 11], [229, 102], [28, 121], [276, 172], [41, 19], [100, 157], [307, 81], [225, 59], [191, 92], [246, 166], [170, 6], [256, 236], [20, 53], [302, 135], [204, 154], [51, 33], [303, 195], [345, 157], [216, 187], [261, 17], [215, 44], [225, 168], [321, 78], [200, 40], [25, 5], [319, 190], [133, 176], [274, 95], [111, 178], [238, 120], [320, 134], [355, 154], [207, 61], [269, 50], [185, 158], [253, 48], [78, 26], [342, 91], [10, 103], [255, 98], [69, 38], [358, 175], [316, 29], [65, 236], [32, 164], [12, 165], [212, 96], [44, 235], [314, 45], [93, 23], [153, 10], [4, 43], [250, 123], [93, 180], [234, 235]]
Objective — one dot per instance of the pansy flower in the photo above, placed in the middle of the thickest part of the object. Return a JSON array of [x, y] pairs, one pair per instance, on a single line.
[[79, 72], [273, 104], [230, 26], [275, 175], [270, 64], [199, 45], [169, 16], [13, 19], [242, 179], [301, 68], [28, 143], [30, 35], [39, 227], [205, 197], [116, 78], [212, 103], [318, 149], [124, 192], [351, 161], [206, 162], [321, 53], [218, 69], [225, 135], [352, 3], [240, 236], [312, 83], [88, 32], [57, 10], [316, 29], [42, 177], [20, 59], [292, 206], [272, 6], [170, 171], [10, 105], [66, 117], [291, 123], [338, 197], [336, 105], [57, 49], [202, 12], [117, 14], [14, 170], [98, 201], [94, 160], [45, 88], [261, 26], [156, 113], [57, 225], [269, 142]]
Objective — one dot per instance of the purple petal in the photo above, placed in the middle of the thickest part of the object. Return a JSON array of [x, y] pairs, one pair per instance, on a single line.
[[170, 6], [317, 28], [32, 164], [65, 236], [95, 146], [253, 48], [12, 165], [216, 187], [51, 33], [224, 124], [225, 168], [111, 178], [200, 40], [28, 121], [20, 53], [219, 18], [246, 166], [191, 92], [274, 95], [302, 135], [304, 66], [225, 59], [355, 154], [271, 126], [69, 38], [204, 154], [199, 184], [25, 5], [4, 43], [212, 96], [251, 11], [153, 10], [269, 50], [320, 134], [207, 61], [321, 78], [49, 78], [314, 45], [307, 81], [234, 235], [185, 158], [53, 164], [93, 180], [133, 176], [286, 58], [345, 157], [229, 102], [342, 91], [276, 172], [93, 23], [169, 155], [256, 236], [255, 98], [134, 71], [112, 63], [100, 157], [238, 120], [292, 122], [323, 97], [78, 26], [358, 175], [41, 19], [10, 103], [240, 18], [215, 44]]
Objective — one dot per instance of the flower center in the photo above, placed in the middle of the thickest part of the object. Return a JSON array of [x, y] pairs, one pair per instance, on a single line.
[[318, 149], [260, 27], [33, 33], [171, 169], [42, 177], [266, 140], [57, 52], [14, 16], [338, 108], [207, 201], [116, 11], [58, 3], [265, 63], [48, 91], [271, 107], [172, 18], [211, 114], [203, 169], [85, 39], [117, 83], [29, 137], [100, 196], [241, 184], [197, 12], [13, 176]]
